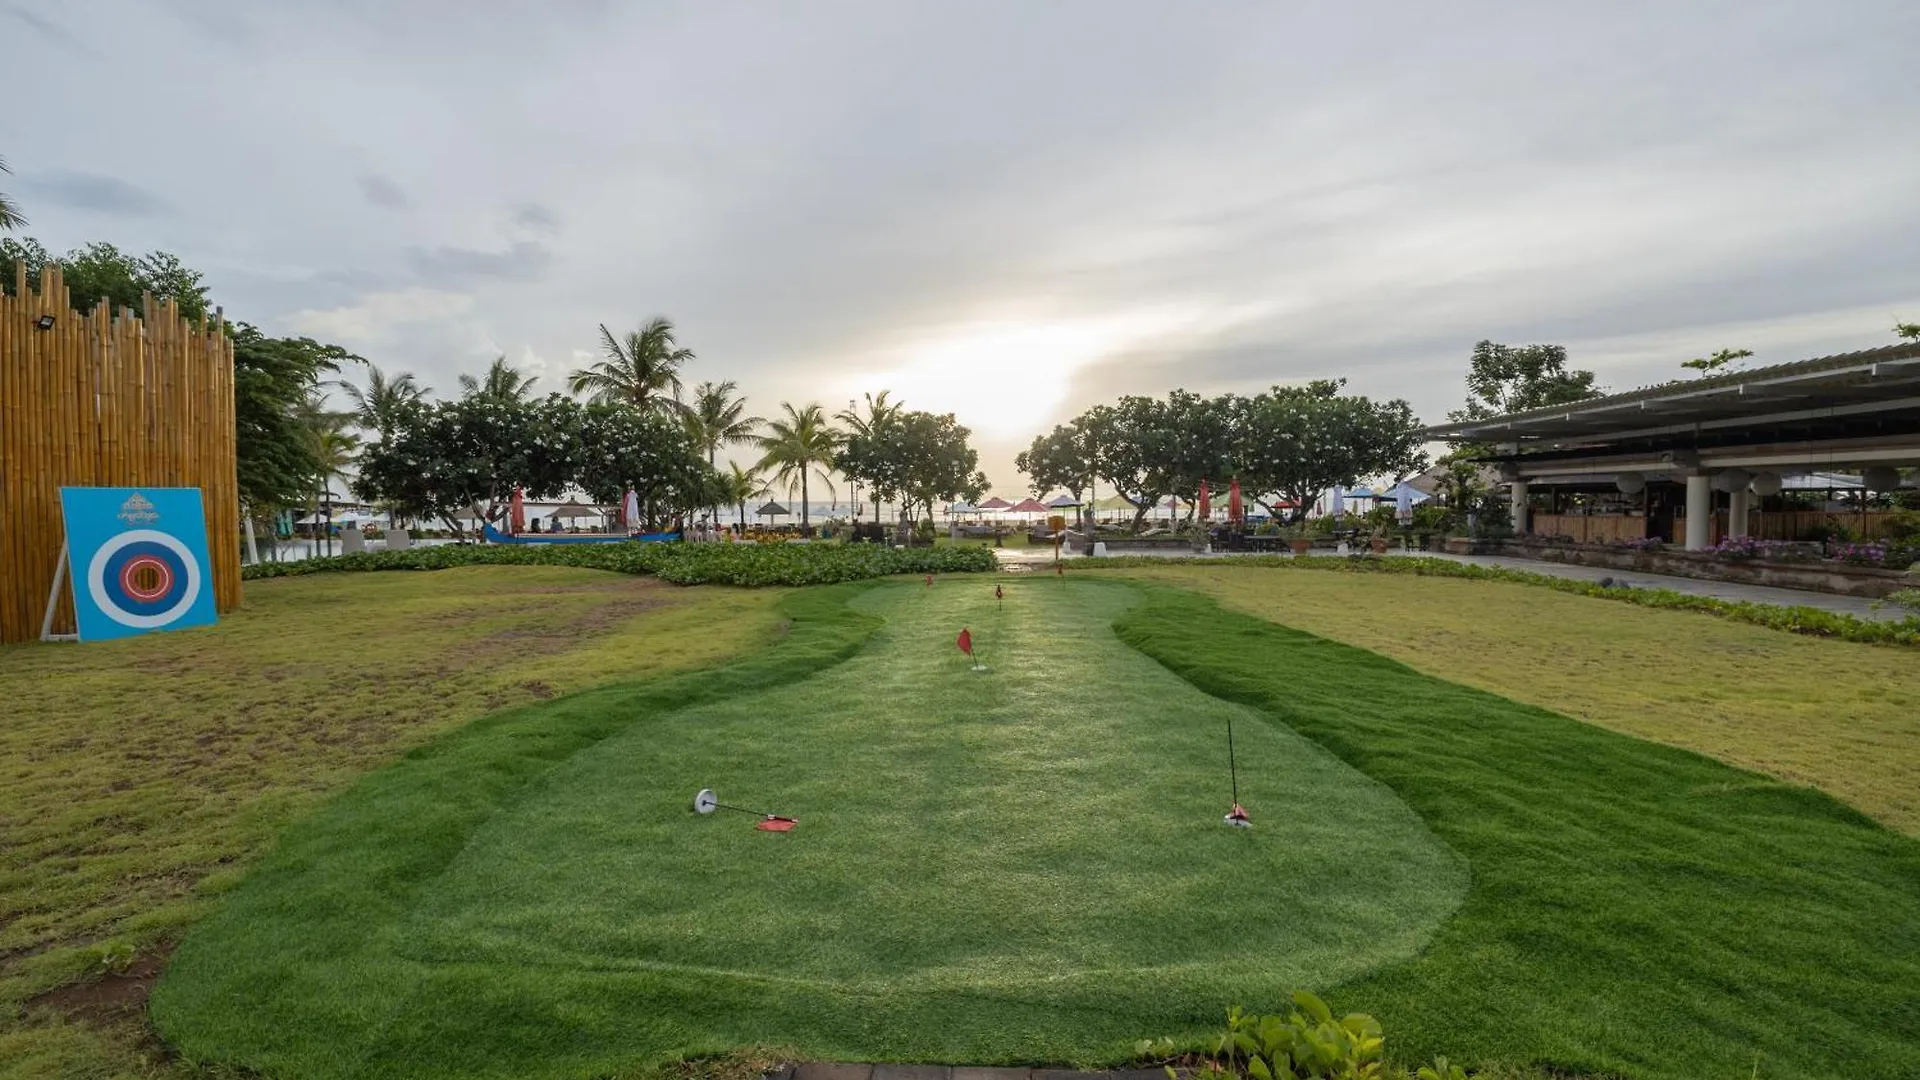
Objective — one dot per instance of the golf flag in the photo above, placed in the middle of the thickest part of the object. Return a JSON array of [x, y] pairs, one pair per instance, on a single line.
[[1206, 504], [965, 641], [998, 594]]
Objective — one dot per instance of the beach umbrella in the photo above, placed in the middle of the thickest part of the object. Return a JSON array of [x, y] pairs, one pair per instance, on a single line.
[[1029, 506], [571, 510], [1337, 505], [518, 511], [771, 509], [630, 509], [1403, 502], [1206, 504], [1236, 510], [1062, 502], [996, 503], [962, 507]]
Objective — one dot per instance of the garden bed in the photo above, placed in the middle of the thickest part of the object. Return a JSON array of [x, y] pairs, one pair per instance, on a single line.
[[1822, 576]]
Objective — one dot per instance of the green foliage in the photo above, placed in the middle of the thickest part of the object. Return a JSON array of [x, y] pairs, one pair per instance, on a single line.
[[908, 456], [1441, 1069], [659, 457], [797, 447], [1515, 378], [101, 271], [10, 216], [1815, 622], [1707, 365], [450, 455], [1907, 330], [1308, 1043], [278, 457], [718, 416], [502, 382], [1297, 441], [386, 402], [1061, 459], [681, 564], [641, 369]]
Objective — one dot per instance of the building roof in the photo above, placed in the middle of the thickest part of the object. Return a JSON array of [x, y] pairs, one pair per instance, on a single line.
[[1840, 396]]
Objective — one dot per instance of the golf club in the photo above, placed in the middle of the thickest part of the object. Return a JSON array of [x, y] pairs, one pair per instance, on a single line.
[[705, 802]]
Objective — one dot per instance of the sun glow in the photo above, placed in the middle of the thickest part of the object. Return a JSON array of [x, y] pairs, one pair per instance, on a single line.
[[1004, 379]]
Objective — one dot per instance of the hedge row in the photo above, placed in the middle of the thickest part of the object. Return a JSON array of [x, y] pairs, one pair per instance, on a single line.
[[1816, 622], [682, 564]]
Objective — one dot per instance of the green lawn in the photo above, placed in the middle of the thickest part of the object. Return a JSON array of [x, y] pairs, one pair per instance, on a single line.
[[1842, 718], [1025, 865], [143, 776], [1636, 910]]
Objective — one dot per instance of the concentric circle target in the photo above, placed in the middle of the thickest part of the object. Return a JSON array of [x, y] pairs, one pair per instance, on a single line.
[[144, 579]]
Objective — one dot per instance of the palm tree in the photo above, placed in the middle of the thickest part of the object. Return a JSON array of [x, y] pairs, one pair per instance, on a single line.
[[715, 418], [881, 414], [800, 445], [502, 382], [385, 401], [740, 485], [641, 370], [331, 446], [10, 217]]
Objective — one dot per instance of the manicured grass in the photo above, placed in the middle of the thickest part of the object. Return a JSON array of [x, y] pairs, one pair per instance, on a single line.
[[1635, 909], [1026, 865], [143, 775], [1842, 717]]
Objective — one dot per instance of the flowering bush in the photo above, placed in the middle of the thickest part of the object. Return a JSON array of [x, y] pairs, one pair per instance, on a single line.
[[1874, 553], [1639, 543], [1741, 548]]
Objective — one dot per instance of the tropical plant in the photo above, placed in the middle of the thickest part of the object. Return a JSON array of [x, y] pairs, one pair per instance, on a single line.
[[718, 417], [385, 402], [332, 447], [740, 486], [1515, 378], [1909, 331], [641, 369], [101, 273], [502, 382], [797, 446], [10, 217]]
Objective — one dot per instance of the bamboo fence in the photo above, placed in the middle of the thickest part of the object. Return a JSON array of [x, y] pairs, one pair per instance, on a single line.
[[106, 400]]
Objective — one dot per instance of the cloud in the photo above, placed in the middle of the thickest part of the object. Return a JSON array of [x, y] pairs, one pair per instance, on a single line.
[[94, 193], [382, 191], [520, 261], [376, 316], [534, 217], [50, 30]]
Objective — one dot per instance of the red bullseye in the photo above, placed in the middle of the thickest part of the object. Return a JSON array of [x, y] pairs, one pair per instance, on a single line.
[[146, 578]]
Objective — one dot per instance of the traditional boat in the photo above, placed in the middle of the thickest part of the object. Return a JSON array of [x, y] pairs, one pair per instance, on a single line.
[[495, 536]]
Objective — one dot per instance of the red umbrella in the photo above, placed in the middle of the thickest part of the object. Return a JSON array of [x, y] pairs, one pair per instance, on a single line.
[[1206, 504], [1235, 508], [517, 515]]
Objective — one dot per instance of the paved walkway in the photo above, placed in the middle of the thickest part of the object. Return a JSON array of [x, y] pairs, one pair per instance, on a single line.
[[819, 1070], [1720, 590]]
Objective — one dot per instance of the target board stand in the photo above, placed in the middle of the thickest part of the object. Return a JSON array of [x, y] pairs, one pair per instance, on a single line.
[[137, 562]]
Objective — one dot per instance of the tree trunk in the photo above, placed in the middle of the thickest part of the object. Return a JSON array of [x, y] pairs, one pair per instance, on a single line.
[[805, 522]]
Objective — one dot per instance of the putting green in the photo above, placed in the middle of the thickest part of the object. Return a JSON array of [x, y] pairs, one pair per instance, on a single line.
[[1022, 865]]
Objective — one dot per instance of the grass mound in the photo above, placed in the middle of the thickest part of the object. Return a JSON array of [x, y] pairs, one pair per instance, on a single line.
[[681, 564], [1636, 910], [988, 868]]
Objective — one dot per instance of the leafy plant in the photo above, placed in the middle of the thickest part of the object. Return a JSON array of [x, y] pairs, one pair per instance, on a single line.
[[1441, 1069], [1307, 1043]]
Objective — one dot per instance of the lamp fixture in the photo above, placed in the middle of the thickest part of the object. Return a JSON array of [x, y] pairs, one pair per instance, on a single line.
[[44, 322]]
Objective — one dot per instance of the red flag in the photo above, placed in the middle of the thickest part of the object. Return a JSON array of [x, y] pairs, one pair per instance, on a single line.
[[997, 594], [929, 580], [965, 641], [1206, 504]]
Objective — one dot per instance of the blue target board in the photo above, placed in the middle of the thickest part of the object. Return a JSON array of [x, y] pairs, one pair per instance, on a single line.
[[138, 560]]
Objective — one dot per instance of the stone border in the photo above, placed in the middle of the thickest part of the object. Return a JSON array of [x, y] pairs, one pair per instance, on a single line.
[[1870, 582], [823, 1070]]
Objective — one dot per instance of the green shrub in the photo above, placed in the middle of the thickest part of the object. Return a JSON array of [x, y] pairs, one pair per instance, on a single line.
[[681, 564]]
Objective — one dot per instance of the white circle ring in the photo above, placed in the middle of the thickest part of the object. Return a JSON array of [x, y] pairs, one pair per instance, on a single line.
[[97, 579]]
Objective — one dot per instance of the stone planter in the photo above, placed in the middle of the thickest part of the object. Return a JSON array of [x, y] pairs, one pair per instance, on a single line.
[[399, 540], [1299, 545], [1378, 544]]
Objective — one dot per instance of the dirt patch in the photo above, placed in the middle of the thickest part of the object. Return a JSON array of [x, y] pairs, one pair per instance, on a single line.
[[538, 689], [111, 998]]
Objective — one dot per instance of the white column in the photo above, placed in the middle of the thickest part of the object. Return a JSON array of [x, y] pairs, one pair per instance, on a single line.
[[1699, 511], [1519, 508], [1737, 513]]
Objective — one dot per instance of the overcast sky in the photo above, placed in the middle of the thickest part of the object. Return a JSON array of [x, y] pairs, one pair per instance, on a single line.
[[1009, 210]]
